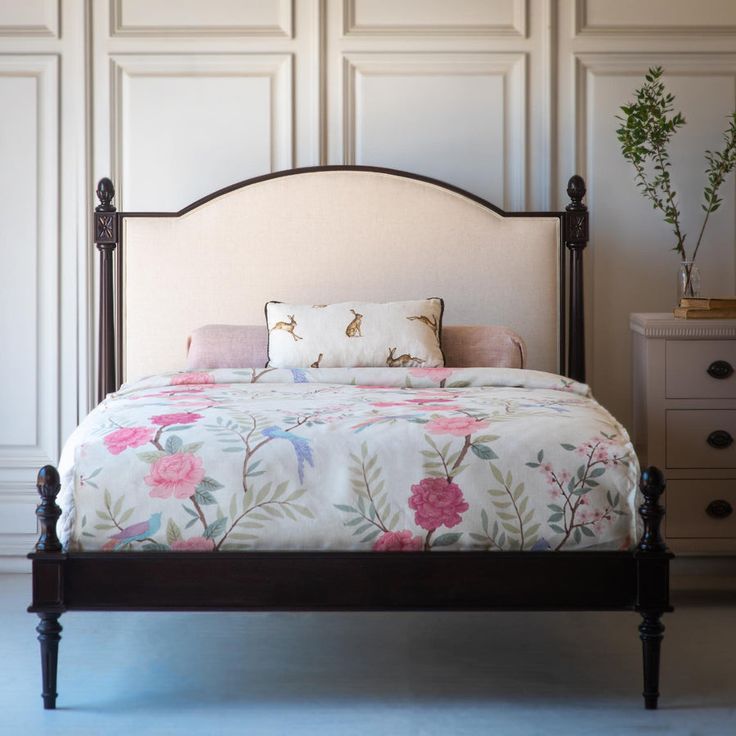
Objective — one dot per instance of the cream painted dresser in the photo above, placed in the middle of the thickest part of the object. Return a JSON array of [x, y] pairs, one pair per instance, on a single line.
[[685, 423]]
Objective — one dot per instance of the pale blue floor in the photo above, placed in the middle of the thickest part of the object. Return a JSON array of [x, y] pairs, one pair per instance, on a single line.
[[340, 674]]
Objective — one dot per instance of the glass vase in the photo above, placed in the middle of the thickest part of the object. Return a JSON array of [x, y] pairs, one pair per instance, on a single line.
[[688, 280]]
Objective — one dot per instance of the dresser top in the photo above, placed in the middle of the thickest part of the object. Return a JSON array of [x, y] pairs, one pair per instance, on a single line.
[[664, 324]]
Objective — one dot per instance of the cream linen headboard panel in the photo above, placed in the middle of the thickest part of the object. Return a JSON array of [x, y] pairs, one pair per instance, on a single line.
[[333, 236]]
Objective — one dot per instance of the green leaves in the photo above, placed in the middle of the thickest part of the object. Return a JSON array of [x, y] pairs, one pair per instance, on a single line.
[[445, 540], [110, 516], [173, 533], [371, 511], [646, 130], [203, 494], [645, 133], [204, 498], [511, 508], [483, 452], [173, 444], [209, 484], [216, 528]]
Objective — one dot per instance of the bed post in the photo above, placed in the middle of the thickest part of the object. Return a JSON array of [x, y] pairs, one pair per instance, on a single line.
[[47, 580], [576, 238], [652, 558], [106, 240]]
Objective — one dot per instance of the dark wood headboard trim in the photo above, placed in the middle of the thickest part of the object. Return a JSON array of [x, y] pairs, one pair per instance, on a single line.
[[108, 226]]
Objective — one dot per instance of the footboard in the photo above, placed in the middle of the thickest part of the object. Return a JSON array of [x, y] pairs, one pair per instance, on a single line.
[[295, 581]]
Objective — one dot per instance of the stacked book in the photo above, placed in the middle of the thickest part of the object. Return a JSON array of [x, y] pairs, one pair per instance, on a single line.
[[706, 308]]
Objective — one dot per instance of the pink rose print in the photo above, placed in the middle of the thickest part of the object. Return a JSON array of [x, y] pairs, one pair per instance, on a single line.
[[398, 542], [437, 374], [178, 474], [186, 378], [437, 502], [185, 417], [195, 544], [458, 426], [125, 437]]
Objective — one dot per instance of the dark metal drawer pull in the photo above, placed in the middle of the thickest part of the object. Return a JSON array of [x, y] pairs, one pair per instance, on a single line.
[[720, 369], [719, 509], [720, 439]]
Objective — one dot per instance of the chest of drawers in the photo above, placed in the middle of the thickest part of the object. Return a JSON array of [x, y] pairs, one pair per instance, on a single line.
[[684, 390]]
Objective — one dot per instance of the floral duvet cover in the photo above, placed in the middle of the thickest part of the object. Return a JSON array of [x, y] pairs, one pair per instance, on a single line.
[[365, 459]]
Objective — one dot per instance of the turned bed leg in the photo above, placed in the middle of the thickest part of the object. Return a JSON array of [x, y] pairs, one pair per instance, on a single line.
[[651, 633], [653, 559], [49, 634], [47, 576]]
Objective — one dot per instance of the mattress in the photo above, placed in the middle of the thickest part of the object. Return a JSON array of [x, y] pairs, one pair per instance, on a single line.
[[361, 459]]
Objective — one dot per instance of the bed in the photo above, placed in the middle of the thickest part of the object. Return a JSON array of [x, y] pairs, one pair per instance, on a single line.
[[402, 487]]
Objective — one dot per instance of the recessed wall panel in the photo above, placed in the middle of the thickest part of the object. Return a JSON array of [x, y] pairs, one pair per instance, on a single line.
[[459, 119], [198, 18], [19, 247], [187, 126], [435, 17], [679, 16], [29, 17]]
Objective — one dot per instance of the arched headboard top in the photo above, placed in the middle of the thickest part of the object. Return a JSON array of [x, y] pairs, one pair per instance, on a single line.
[[331, 234]]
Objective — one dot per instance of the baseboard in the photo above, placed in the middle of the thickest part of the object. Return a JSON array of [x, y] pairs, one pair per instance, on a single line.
[[14, 563], [703, 574]]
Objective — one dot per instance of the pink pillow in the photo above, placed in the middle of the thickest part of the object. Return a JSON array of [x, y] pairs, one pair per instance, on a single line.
[[246, 346]]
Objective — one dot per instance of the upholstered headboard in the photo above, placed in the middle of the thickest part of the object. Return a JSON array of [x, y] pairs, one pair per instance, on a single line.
[[323, 235]]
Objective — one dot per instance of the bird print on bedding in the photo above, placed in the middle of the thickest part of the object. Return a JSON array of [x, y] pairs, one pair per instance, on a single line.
[[135, 533]]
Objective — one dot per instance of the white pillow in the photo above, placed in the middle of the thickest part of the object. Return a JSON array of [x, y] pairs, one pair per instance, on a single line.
[[354, 334]]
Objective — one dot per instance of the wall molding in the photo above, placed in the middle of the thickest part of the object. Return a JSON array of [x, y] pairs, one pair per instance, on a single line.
[[47, 25], [583, 27], [635, 65], [516, 27], [511, 67], [11, 563], [44, 69], [278, 68], [283, 28], [17, 501], [23, 456]]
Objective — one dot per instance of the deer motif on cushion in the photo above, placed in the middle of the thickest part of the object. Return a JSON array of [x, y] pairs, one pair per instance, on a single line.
[[402, 361], [289, 327], [353, 329]]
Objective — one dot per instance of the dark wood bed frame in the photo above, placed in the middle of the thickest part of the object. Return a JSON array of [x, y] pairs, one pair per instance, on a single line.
[[636, 580]]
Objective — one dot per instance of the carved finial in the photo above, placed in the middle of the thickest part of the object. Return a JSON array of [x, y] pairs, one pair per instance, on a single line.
[[48, 513], [576, 191], [105, 193], [652, 512]]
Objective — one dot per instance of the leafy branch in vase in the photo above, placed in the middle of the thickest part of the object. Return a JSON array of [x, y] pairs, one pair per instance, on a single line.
[[647, 127]]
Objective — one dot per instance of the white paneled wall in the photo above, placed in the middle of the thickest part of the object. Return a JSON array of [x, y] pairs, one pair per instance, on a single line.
[[604, 50], [43, 284], [175, 98]]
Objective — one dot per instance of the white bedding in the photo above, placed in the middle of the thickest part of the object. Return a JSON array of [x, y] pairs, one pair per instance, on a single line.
[[383, 459]]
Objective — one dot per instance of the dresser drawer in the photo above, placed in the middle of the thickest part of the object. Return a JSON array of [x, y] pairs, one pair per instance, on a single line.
[[700, 508], [701, 438], [688, 363]]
